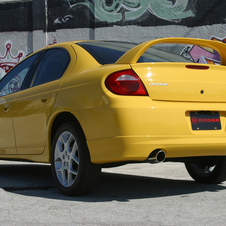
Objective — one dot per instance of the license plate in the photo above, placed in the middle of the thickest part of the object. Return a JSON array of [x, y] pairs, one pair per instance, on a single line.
[[205, 120]]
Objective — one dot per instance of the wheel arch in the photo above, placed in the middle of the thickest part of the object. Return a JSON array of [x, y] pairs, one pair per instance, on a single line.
[[62, 118]]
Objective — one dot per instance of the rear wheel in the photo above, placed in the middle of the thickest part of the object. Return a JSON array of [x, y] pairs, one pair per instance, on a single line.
[[210, 170], [72, 169]]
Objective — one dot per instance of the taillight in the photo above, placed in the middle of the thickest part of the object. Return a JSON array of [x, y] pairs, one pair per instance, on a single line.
[[125, 83]]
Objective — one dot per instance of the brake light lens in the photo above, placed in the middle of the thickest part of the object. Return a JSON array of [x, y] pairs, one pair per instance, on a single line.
[[125, 83]]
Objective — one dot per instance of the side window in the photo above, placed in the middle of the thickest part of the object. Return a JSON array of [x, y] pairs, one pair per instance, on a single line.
[[51, 67], [13, 81]]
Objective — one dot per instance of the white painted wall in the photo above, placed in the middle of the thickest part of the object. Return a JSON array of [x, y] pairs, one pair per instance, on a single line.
[[32, 41]]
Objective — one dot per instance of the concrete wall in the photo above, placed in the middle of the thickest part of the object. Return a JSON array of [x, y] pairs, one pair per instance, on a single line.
[[27, 25]]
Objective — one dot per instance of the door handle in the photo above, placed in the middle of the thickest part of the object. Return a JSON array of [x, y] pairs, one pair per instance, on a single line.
[[6, 107], [45, 99]]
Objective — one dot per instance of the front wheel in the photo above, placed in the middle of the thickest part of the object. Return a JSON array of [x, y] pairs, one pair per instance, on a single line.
[[210, 170], [72, 169]]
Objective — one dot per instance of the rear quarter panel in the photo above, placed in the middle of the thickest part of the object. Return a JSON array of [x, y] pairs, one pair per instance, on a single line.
[[83, 89]]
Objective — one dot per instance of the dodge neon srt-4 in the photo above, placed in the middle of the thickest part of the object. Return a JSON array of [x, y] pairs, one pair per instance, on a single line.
[[85, 105]]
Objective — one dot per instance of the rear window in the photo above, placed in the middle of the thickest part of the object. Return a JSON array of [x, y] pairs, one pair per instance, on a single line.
[[108, 52], [175, 52]]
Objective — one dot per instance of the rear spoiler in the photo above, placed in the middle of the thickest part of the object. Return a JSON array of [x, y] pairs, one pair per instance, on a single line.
[[133, 55]]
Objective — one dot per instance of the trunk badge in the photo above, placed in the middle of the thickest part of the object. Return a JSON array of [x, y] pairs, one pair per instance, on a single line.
[[158, 84]]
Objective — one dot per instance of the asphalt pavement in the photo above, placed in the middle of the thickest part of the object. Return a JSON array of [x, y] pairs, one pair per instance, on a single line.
[[137, 194]]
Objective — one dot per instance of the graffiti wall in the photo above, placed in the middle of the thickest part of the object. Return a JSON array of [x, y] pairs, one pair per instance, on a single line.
[[200, 54], [8, 60], [16, 16], [63, 14], [33, 24], [103, 13]]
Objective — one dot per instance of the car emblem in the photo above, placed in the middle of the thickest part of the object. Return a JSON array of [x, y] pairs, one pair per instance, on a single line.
[[158, 84], [194, 120]]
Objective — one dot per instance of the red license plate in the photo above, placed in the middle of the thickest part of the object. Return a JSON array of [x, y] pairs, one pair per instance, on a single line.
[[205, 120]]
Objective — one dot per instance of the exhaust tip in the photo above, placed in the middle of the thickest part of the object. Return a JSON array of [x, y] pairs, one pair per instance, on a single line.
[[160, 157], [157, 156]]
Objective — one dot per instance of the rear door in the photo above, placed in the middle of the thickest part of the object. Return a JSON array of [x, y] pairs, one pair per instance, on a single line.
[[33, 105]]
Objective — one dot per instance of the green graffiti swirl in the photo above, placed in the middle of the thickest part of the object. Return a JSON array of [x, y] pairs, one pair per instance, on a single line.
[[139, 10], [163, 9], [103, 12], [167, 10], [108, 13]]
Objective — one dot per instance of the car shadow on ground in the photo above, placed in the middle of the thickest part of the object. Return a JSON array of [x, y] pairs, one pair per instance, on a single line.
[[36, 180]]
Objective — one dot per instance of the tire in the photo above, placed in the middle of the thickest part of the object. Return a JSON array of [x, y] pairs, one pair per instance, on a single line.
[[72, 169], [211, 170]]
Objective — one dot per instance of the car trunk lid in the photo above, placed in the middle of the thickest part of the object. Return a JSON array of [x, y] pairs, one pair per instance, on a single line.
[[183, 81]]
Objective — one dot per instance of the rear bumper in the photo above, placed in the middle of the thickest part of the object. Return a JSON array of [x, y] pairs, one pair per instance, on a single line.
[[129, 128], [120, 149]]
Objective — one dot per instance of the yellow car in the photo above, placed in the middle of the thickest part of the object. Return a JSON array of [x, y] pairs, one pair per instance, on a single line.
[[84, 105]]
